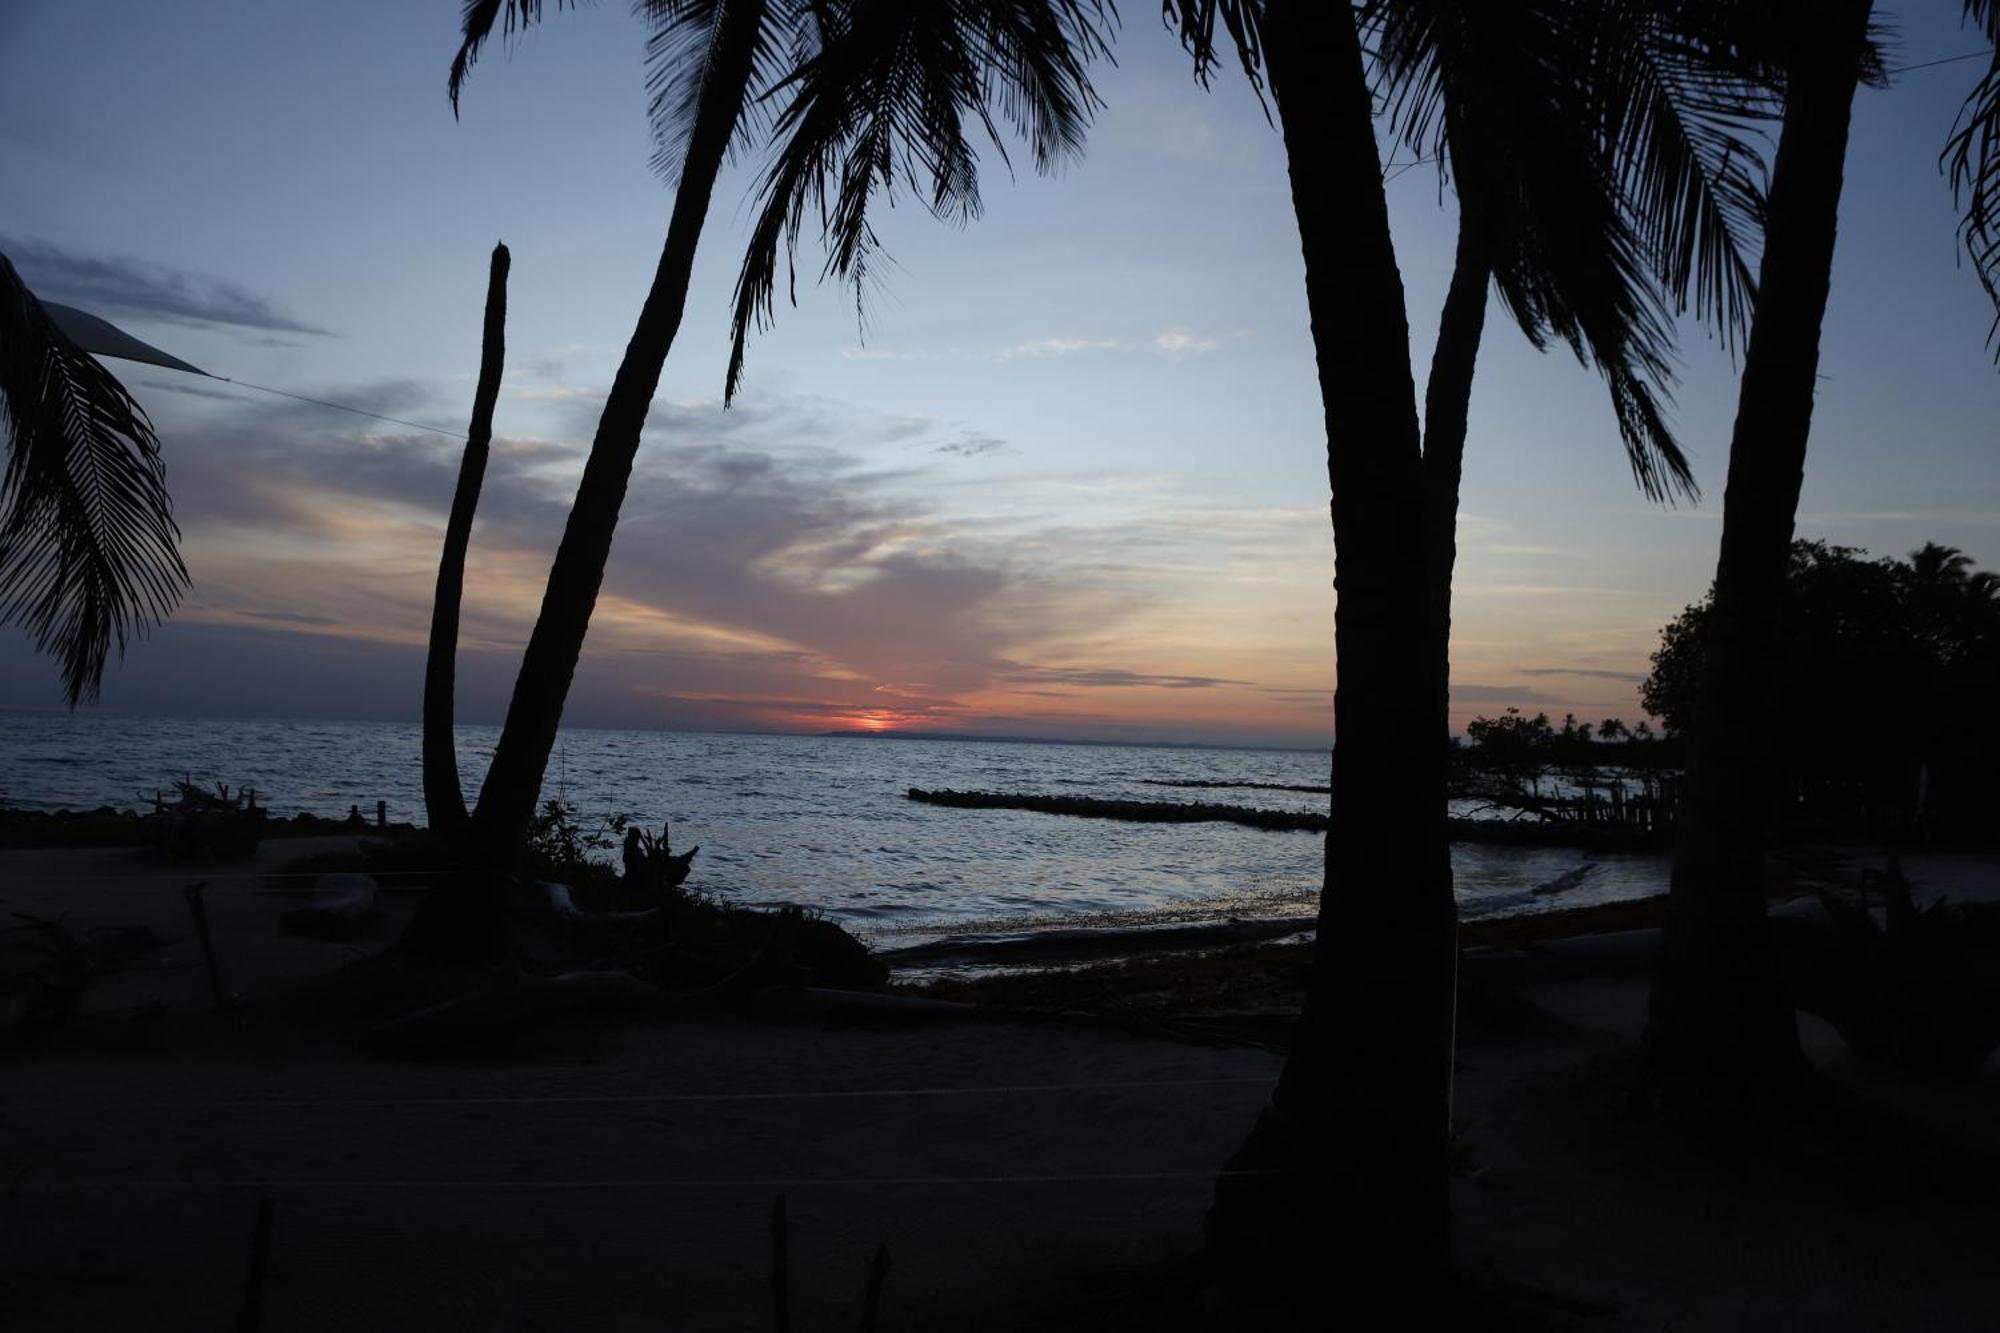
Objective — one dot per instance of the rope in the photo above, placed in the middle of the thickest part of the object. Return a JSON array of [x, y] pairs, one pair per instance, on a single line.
[[340, 407], [1942, 60], [671, 1182], [618, 1099]]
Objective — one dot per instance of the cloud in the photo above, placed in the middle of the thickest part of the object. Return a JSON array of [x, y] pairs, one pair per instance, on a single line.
[[972, 445], [1497, 694], [290, 617], [116, 285], [1113, 678], [1042, 348], [1631, 677], [1179, 342]]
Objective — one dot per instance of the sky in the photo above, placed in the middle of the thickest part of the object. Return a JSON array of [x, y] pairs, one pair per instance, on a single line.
[[1067, 481]]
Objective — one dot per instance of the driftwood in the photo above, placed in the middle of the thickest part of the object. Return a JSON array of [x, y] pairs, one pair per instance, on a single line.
[[199, 825]]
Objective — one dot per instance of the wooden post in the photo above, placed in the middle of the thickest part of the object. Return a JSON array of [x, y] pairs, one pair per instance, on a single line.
[[250, 1317], [381, 814], [781, 1277]]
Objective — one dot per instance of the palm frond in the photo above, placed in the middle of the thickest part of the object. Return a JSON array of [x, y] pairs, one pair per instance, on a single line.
[[892, 97], [1492, 90], [1971, 159], [88, 544], [681, 53], [476, 26], [1675, 101], [1240, 20]]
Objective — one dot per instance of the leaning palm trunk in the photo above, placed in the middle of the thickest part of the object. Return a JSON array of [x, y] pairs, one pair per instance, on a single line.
[[444, 803], [1721, 1025], [513, 783], [1347, 1164]]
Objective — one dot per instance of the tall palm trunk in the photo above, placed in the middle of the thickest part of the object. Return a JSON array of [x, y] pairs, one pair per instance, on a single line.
[[444, 803], [507, 803], [1347, 1164], [1721, 1025], [1447, 409]]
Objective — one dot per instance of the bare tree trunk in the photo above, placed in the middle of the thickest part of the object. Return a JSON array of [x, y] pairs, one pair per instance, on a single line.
[[444, 803], [1722, 1028], [507, 803], [1345, 1169]]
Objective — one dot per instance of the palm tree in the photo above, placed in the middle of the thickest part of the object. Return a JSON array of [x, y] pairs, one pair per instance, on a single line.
[[89, 552], [1721, 1029], [868, 90], [1579, 191], [444, 803]]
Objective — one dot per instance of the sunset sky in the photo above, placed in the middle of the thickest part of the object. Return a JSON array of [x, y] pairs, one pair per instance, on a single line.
[[1071, 482]]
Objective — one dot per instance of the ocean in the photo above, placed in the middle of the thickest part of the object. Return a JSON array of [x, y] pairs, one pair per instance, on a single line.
[[823, 820]]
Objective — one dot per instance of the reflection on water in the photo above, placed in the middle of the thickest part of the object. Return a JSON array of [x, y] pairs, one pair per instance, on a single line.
[[823, 820]]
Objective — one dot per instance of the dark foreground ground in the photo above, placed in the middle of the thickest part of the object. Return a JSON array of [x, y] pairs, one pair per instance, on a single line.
[[1024, 1172]]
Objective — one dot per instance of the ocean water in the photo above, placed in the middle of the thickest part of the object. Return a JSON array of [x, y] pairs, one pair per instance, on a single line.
[[822, 821]]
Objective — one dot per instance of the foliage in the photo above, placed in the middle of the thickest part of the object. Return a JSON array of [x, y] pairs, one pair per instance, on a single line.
[[88, 547], [561, 847], [1918, 986], [1886, 677]]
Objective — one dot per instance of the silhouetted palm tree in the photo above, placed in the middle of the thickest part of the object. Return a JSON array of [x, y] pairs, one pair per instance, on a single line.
[[444, 802], [1721, 1028], [864, 90], [89, 552], [1586, 184]]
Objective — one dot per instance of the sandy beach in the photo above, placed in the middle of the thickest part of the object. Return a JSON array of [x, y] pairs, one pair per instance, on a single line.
[[1022, 1174]]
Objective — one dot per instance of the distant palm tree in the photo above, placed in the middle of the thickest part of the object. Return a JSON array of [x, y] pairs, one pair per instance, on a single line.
[[89, 552], [1721, 1028], [1597, 180], [865, 91]]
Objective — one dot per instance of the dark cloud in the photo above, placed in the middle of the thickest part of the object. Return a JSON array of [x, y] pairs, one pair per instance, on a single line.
[[118, 285], [970, 445], [1108, 677], [1497, 694], [1632, 677], [291, 617]]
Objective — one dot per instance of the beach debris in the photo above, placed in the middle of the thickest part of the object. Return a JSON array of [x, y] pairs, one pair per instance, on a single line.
[[649, 862], [342, 906], [250, 1317], [198, 908], [1566, 881], [201, 825]]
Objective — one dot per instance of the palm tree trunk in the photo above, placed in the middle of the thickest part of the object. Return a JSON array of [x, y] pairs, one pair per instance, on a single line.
[[1721, 1026], [444, 803], [513, 783], [1447, 407], [1347, 1164]]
